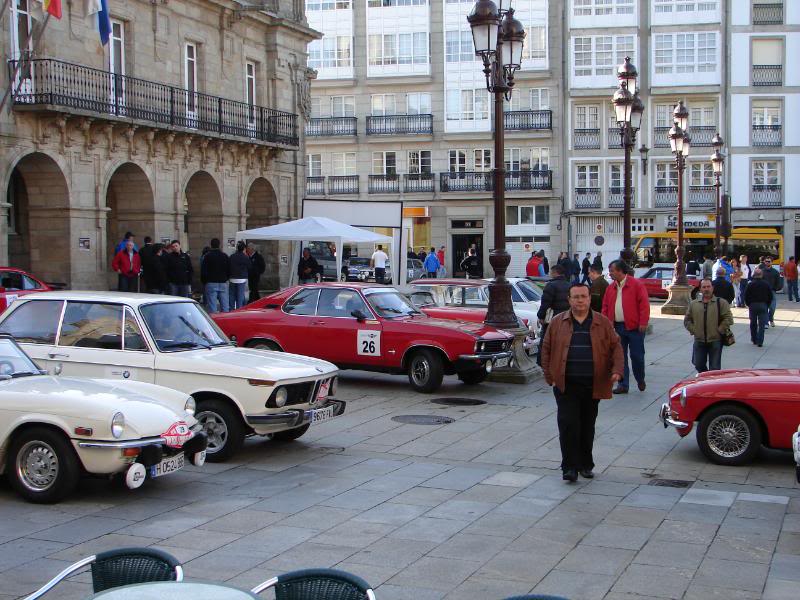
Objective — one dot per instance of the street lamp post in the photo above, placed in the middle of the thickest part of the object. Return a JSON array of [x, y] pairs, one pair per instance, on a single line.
[[717, 163]]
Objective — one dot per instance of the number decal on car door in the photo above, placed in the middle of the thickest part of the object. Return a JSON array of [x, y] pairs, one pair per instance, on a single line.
[[368, 342]]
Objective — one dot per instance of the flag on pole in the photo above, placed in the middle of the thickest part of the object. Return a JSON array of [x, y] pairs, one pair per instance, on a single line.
[[53, 7], [102, 20]]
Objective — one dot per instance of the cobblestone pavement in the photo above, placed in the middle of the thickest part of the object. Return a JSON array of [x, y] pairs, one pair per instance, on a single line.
[[474, 509]]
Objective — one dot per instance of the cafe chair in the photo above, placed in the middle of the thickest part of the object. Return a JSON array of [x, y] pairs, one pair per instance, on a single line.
[[123, 566], [317, 584]]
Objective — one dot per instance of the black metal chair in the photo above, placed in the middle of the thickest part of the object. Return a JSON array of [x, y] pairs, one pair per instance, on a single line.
[[317, 584], [124, 566]]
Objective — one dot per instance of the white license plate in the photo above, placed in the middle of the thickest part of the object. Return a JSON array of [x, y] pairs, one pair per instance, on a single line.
[[168, 465], [501, 362], [323, 414]]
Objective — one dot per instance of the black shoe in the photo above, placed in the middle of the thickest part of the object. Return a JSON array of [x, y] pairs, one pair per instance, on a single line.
[[772, 324], [620, 390], [570, 475], [587, 473], [760, 345], [642, 386]]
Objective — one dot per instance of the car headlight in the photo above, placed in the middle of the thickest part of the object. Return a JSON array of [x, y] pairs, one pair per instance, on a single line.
[[333, 386], [118, 425], [281, 396], [190, 406]]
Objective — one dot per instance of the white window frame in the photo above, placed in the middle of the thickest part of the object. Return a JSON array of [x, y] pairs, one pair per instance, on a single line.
[[313, 165], [250, 70], [701, 174], [458, 46], [383, 105], [766, 112], [116, 62], [457, 160], [600, 8], [587, 116], [419, 162], [343, 106], [418, 103], [599, 55], [702, 115], [190, 79], [343, 163], [681, 52], [683, 6], [666, 174], [384, 162], [385, 49], [535, 51], [540, 98], [587, 175], [765, 172], [482, 160], [540, 159]]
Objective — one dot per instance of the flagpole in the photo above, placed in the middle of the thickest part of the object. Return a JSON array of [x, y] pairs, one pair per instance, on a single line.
[[22, 58]]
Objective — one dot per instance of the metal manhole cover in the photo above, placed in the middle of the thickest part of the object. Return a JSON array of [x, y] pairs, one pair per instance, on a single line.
[[423, 419], [675, 483], [458, 401]]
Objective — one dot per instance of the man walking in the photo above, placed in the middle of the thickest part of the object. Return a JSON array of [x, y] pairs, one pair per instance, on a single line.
[[128, 265], [586, 264], [707, 319], [179, 271], [627, 305], [722, 287], [471, 265], [215, 271], [555, 300], [598, 288], [431, 264], [239, 272], [575, 266], [378, 262], [581, 359], [598, 261], [708, 267], [773, 279], [790, 272], [747, 275], [758, 298]]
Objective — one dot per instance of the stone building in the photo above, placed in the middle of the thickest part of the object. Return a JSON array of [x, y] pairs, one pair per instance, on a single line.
[[186, 125]]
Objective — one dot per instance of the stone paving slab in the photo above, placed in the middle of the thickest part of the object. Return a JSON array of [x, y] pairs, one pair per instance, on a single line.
[[471, 510]]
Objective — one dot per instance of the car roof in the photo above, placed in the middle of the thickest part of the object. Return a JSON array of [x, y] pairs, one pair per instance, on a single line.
[[129, 298], [459, 282]]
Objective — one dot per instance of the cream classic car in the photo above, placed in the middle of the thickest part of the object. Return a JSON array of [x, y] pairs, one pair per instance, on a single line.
[[55, 429], [172, 342]]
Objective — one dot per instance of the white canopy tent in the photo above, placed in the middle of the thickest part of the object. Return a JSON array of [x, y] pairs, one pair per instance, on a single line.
[[315, 229]]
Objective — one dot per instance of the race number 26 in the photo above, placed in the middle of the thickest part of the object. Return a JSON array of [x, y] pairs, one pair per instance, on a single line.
[[369, 343]]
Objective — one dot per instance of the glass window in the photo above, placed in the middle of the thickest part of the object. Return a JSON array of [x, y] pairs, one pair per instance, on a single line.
[[344, 163], [178, 326], [303, 302], [343, 106], [390, 304], [531, 291], [535, 43], [418, 103], [587, 176], [34, 322], [540, 99], [540, 159], [542, 215], [420, 48], [314, 165], [664, 61], [14, 362], [340, 303], [766, 112], [512, 215], [482, 159], [702, 174], [383, 104], [133, 339], [526, 215], [92, 325], [666, 174], [458, 160], [419, 161], [12, 281]]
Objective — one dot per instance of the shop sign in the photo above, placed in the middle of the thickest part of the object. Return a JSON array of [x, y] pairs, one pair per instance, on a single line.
[[461, 224], [691, 221]]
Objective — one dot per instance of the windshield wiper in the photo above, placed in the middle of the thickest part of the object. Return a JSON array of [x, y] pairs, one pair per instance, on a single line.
[[391, 309], [16, 374], [185, 345], [196, 331]]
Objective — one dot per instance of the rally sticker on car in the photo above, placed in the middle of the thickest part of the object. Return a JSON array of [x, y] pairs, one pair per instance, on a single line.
[[369, 342], [177, 435]]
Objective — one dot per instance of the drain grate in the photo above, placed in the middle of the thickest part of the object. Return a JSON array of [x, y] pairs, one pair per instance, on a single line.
[[675, 483], [455, 401], [423, 419]]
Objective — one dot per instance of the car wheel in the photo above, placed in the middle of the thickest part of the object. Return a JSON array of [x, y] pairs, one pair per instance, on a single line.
[[289, 435], [729, 435], [42, 466], [265, 345], [224, 428], [473, 377], [425, 371]]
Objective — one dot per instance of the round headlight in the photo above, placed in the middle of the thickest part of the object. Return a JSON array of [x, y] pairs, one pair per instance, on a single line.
[[118, 425], [281, 396], [333, 386], [190, 406]]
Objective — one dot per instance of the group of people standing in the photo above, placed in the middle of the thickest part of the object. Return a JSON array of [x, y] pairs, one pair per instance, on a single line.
[[573, 268]]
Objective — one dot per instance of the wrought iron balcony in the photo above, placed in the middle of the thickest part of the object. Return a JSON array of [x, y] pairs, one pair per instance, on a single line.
[[399, 124], [343, 184], [55, 85], [766, 196], [616, 197], [767, 135], [765, 75], [418, 182], [702, 196], [666, 196], [383, 184], [586, 139], [614, 138], [768, 14], [516, 120], [587, 197], [529, 180], [331, 126], [661, 137], [466, 181], [315, 186], [701, 135]]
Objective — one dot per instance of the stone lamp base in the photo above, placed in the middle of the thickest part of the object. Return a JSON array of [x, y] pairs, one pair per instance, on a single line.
[[678, 301], [525, 369]]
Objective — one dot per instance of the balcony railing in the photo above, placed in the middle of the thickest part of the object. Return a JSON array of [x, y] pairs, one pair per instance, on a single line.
[[766, 196], [399, 124], [418, 182], [702, 196], [315, 186], [666, 196], [767, 135], [54, 83], [466, 181], [701, 135], [616, 197], [661, 137], [331, 126], [516, 120], [764, 75], [768, 14], [383, 184], [529, 180], [586, 139], [587, 197], [343, 184], [614, 138]]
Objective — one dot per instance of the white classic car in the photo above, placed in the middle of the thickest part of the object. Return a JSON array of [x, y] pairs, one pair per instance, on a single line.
[[55, 429], [172, 342]]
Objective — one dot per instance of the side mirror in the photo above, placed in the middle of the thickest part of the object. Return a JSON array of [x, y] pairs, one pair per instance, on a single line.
[[359, 315]]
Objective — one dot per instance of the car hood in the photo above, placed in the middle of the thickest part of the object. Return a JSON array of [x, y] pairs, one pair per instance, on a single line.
[[477, 330], [248, 363], [736, 380]]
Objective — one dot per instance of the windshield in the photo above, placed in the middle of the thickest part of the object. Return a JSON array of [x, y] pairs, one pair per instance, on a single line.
[[14, 362], [391, 304], [177, 326], [531, 291]]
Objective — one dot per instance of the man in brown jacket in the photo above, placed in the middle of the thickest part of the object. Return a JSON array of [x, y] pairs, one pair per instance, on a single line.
[[581, 359]]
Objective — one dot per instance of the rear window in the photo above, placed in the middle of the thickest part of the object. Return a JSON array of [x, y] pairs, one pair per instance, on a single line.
[[34, 322]]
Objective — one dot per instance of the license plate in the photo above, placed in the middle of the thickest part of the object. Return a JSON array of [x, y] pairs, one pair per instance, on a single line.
[[501, 362], [322, 414], [168, 465]]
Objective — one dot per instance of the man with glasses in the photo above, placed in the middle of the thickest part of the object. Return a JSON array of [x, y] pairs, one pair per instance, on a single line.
[[773, 278]]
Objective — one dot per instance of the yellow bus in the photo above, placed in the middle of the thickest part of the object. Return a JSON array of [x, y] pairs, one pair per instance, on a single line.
[[755, 242]]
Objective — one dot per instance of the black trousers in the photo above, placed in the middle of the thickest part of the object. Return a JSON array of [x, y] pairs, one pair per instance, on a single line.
[[252, 283], [577, 413]]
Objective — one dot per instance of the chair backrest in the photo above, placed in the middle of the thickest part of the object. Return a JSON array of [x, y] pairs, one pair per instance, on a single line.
[[321, 584], [126, 566]]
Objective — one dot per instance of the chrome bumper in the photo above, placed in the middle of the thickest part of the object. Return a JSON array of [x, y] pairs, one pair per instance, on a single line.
[[140, 443], [487, 356], [666, 416], [294, 418]]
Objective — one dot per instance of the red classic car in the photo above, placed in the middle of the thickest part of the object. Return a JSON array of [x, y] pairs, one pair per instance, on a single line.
[[658, 279], [15, 283], [371, 328], [737, 411]]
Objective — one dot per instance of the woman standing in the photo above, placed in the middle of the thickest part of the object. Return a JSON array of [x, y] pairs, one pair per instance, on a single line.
[[736, 278]]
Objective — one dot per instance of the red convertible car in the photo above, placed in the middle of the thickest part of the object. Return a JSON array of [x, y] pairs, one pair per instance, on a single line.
[[371, 328], [658, 279], [737, 411]]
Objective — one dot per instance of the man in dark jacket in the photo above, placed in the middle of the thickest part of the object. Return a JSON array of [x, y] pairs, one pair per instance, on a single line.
[[598, 261], [471, 265], [155, 273], [307, 268], [215, 271], [598, 289], [545, 262], [240, 271], [576, 268], [773, 279], [179, 271], [146, 254], [722, 287], [555, 300], [586, 264], [758, 297], [257, 268]]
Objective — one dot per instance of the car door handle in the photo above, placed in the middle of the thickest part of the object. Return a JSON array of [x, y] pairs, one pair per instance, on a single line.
[[57, 355], [318, 322]]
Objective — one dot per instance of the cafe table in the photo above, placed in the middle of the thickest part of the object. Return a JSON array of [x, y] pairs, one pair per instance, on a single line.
[[173, 590]]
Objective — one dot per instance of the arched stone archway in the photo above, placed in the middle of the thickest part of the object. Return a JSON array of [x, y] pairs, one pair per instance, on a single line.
[[203, 217], [39, 237], [261, 208]]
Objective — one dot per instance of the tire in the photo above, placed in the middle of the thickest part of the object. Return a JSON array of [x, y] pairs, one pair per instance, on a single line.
[[473, 377], [224, 427], [265, 345], [729, 435], [42, 466], [289, 435], [425, 371]]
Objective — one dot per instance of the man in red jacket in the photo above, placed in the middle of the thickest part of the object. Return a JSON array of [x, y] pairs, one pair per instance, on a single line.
[[627, 305], [128, 265]]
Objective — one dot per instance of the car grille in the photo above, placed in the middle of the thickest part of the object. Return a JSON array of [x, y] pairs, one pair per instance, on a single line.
[[492, 345], [299, 393]]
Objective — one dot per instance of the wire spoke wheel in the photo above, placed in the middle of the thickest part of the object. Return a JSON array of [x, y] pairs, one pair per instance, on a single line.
[[37, 465], [728, 436], [215, 428], [420, 370]]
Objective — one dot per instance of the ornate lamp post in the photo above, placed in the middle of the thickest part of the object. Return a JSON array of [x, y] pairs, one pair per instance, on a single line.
[[498, 39], [717, 163]]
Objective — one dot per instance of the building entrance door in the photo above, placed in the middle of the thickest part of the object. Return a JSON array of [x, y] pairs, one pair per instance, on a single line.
[[462, 242]]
